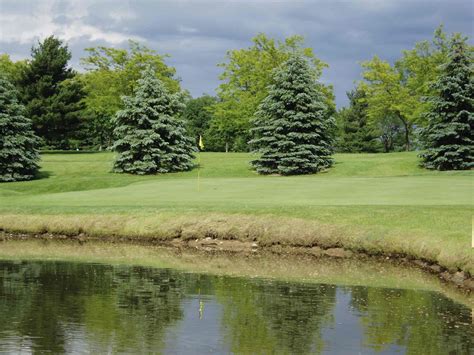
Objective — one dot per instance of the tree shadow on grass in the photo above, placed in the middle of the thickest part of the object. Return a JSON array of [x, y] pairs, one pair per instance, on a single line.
[[72, 151], [43, 175]]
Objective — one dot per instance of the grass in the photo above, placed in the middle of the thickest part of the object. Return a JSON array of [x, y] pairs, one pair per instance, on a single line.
[[374, 202]]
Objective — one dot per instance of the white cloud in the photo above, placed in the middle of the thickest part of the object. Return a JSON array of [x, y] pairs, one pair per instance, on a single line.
[[76, 30], [39, 22], [23, 27]]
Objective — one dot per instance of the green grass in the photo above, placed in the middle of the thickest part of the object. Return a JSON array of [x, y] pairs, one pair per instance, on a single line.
[[375, 202]]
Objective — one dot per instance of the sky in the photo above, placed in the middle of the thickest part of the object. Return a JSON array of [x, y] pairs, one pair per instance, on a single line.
[[197, 34]]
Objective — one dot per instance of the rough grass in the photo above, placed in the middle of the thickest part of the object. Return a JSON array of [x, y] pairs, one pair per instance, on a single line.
[[374, 202]]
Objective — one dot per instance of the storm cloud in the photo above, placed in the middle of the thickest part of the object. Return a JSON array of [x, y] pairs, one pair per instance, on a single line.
[[197, 34]]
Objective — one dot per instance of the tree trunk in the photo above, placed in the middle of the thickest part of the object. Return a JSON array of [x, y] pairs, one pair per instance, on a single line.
[[407, 139], [385, 144], [407, 132], [226, 147]]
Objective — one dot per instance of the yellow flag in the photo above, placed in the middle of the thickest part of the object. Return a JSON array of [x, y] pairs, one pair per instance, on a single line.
[[201, 143]]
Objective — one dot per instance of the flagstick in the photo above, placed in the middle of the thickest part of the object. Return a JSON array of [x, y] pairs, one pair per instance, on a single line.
[[199, 170], [201, 147]]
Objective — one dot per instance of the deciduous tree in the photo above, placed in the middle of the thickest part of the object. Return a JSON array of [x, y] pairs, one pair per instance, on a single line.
[[398, 91], [198, 116], [12, 70]]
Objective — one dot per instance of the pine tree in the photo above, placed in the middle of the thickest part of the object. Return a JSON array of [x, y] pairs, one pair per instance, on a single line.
[[52, 97], [18, 154], [150, 137], [355, 135], [449, 135], [292, 130]]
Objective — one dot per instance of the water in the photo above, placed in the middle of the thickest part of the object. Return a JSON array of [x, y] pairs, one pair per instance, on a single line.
[[93, 308]]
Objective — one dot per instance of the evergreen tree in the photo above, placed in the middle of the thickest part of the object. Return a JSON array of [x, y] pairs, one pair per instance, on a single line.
[[355, 135], [150, 137], [247, 74], [449, 135], [292, 127], [51, 94], [18, 154], [110, 74]]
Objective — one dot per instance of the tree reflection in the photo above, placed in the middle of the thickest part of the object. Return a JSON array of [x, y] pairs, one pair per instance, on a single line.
[[117, 309], [422, 322], [69, 307], [275, 317]]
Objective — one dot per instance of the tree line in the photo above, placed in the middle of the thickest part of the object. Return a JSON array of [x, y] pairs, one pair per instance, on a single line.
[[270, 101], [114, 307]]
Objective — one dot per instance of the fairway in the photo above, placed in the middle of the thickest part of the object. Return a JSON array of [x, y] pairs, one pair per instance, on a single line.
[[270, 192], [225, 181], [383, 201]]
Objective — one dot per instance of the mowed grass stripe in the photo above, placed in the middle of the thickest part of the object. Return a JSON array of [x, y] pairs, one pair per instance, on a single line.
[[272, 191]]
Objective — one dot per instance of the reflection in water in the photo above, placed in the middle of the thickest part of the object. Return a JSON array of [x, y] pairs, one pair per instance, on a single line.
[[412, 319], [71, 307], [274, 317]]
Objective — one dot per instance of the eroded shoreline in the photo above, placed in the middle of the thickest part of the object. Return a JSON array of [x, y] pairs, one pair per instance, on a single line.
[[457, 278]]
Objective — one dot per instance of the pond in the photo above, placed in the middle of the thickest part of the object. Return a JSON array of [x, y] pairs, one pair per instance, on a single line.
[[89, 307]]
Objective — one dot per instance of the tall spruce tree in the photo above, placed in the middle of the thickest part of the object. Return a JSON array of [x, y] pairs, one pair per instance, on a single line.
[[150, 136], [449, 135], [18, 144], [355, 134], [52, 97], [292, 130]]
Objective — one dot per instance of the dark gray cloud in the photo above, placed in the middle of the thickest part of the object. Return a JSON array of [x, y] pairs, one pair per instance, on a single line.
[[196, 34]]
